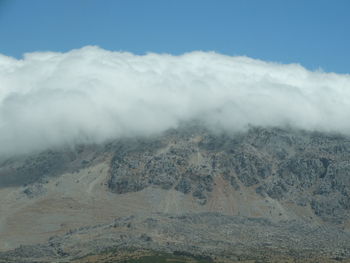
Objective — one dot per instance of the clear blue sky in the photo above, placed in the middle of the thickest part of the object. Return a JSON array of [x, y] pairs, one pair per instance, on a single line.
[[314, 33]]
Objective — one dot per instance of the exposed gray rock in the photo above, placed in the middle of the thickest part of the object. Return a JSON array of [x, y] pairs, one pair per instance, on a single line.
[[34, 190], [279, 168], [30, 169], [301, 167], [184, 186], [206, 234]]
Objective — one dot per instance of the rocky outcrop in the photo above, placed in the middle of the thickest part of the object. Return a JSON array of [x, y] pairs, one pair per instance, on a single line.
[[249, 195], [308, 169], [211, 235], [39, 167]]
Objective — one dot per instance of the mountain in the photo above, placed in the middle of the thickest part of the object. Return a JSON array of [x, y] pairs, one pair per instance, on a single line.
[[265, 194]]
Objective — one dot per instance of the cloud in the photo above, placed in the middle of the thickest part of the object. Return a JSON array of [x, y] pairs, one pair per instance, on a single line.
[[90, 95]]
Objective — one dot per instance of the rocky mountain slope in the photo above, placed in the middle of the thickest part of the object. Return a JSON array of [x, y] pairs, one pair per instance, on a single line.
[[261, 194]]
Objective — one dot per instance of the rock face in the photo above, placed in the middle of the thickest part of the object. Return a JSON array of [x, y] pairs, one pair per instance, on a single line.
[[306, 169], [189, 189]]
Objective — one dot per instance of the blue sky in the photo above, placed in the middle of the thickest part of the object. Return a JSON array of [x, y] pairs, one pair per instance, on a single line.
[[314, 33]]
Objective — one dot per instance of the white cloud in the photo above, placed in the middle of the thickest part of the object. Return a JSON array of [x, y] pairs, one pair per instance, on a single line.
[[89, 95]]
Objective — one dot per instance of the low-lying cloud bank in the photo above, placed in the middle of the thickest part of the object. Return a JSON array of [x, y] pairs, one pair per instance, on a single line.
[[91, 95]]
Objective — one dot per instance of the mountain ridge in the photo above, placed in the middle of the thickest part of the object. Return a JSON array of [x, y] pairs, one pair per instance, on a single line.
[[283, 179]]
